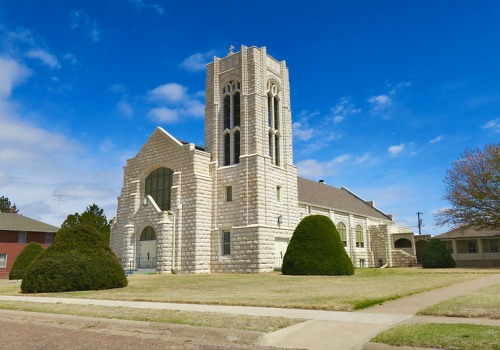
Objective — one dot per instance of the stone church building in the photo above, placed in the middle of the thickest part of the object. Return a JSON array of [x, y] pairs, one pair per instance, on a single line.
[[233, 205]]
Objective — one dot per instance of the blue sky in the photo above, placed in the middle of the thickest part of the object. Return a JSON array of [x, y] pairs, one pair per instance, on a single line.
[[385, 94]]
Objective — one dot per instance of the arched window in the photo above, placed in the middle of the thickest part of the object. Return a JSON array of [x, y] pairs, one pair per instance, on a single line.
[[231, 116], [273, 121], [360, 241], [158, 185], [148, 234], [237, 142], [402, 243], [342, 233]]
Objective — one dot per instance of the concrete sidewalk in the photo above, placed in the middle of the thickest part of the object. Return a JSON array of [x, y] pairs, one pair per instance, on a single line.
[[323, 329]]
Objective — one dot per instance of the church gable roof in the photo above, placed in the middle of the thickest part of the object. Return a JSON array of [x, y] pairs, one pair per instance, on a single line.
[[16, 222], [341, 199], [160, 135]]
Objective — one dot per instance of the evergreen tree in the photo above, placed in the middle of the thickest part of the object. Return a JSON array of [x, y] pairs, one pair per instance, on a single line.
[[6, 206], [436, 255], [93, 216]]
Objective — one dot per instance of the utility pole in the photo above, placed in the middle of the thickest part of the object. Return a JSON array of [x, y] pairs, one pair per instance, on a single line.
[[420, 222]]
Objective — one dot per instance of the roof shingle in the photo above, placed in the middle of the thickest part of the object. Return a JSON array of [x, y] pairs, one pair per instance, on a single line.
[[16, 222]]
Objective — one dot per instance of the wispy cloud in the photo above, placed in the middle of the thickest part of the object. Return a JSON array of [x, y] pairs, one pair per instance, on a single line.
[[197, 61], [396, 149], [436, 139], [80, 20], [315, 169], [342, 110], [45, 57], [380, 102], [493, 125], [125, 109], [170, 92], [142, 5]]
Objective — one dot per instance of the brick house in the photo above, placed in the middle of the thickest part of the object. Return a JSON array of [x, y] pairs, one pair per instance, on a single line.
[[16, 231], [233, 205]]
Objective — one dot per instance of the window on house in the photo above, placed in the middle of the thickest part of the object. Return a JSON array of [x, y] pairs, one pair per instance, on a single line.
[[226, 243], [342, 233], [449, 246], [362, 263], [227, 112], [229, 193], [148, 234], [278, 193], [277, 150], [22, 237], [3, 261], [236, 103], [490, 246], [360, 242], [471, 247], [158, 185], [49, 237], [276, 113]]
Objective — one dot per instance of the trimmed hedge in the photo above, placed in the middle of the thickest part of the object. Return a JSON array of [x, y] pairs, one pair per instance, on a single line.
[[436, 255], [316, 249], [24, 259], [78, 259]]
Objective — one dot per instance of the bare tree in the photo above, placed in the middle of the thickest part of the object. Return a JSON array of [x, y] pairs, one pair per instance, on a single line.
[[472, 186]]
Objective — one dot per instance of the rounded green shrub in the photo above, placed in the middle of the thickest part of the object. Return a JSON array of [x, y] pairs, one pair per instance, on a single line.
[[436, 255], [316, 249], [24, 259], [78, 259]]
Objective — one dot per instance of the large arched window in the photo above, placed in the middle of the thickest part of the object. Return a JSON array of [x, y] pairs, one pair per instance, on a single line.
[[342, 233], [273, 121], [231, 122], [148, 234], [158, 185], [360, 241], [402, 243]]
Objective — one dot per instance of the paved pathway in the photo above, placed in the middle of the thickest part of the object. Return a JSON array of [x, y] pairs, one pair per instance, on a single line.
[[323, 329]]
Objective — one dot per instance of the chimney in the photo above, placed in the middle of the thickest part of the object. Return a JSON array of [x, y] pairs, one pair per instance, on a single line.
[[390, 216], [371, 203], [321, 181], [12, 210]]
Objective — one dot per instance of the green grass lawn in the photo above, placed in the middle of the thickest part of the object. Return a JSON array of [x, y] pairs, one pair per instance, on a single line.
[[339, 293], [484, 303], [442, 336]]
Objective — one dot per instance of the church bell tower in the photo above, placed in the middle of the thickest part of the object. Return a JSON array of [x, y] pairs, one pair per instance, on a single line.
[[248, 132]]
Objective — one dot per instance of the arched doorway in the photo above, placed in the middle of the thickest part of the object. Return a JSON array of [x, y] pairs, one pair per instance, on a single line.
[[420, 249], [146, 257]]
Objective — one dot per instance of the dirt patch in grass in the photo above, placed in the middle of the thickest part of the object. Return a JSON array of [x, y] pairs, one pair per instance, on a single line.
[[442, 336], [484, 303]]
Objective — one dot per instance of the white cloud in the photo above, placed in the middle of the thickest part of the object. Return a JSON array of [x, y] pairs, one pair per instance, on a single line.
[[45, 57], [436, 139], [71, 58], [314, 169], [380, 101], [343, 109], [12, 73], [80, 20], [125, 108], [170, 92], [174, 104], [197, 61], [494, 125], [164, 115], [396, 149]]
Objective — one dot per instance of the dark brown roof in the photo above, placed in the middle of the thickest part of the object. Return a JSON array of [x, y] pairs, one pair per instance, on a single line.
[[469, 232], [340, 199], [16, 222]]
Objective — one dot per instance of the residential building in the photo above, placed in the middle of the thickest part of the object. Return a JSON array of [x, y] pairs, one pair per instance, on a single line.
[[16, 231]]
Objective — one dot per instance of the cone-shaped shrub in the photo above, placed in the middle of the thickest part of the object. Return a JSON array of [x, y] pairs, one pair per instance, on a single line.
[[436, 255], [24, 259], [316, 249], [78, 259]]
